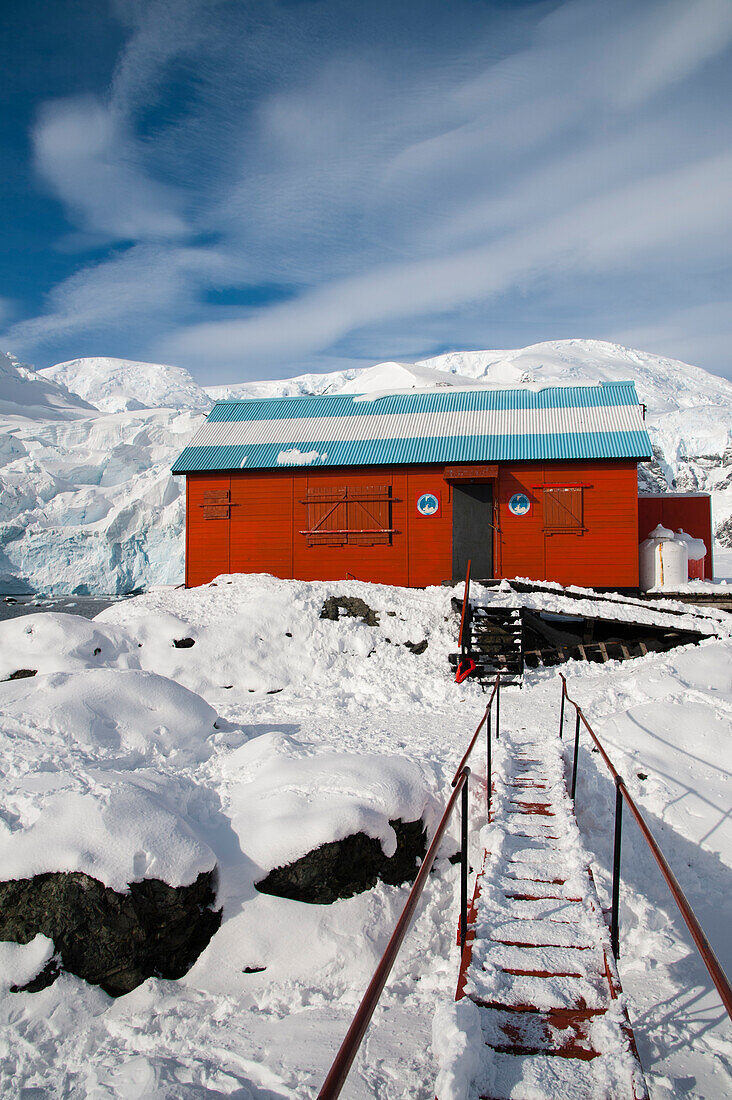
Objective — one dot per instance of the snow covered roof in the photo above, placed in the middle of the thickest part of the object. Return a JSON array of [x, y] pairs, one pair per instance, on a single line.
[[558, 422]]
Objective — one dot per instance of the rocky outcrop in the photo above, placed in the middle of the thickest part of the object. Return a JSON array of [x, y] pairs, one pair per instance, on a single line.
[[723, 533], [352, 607], [342, 868], [111, 939]]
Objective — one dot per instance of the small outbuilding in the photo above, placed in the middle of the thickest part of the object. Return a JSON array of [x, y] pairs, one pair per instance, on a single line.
[[404, 488]]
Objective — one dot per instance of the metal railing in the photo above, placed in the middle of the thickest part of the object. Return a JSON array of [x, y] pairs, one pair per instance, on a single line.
[[622, 793], [343, 1061]]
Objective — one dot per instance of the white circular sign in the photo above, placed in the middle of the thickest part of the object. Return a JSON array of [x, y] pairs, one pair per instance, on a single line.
[[519, 504], [428, 504]]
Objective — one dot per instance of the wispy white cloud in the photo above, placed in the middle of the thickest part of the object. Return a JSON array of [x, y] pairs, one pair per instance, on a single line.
[[8, 309], [388, 164], [699, 331], [656, 220], [87, 158], [670, 43], [133, 287]]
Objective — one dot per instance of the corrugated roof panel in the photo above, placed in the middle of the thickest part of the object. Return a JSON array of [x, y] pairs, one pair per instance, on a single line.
[[452, 426], [420, 425], [560, 397], [317, 454]]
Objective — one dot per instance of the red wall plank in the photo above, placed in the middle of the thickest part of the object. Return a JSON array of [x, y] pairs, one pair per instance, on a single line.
[[261, 525], [207, 540]]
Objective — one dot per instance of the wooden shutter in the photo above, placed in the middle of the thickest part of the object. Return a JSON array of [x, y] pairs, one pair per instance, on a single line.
[[344, 515], [563, 509], [216, 504]]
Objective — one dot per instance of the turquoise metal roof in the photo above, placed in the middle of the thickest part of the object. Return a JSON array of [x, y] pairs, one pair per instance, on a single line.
[[476, 425]]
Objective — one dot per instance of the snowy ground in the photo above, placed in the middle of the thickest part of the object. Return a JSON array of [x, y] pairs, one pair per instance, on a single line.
[[358, 727]]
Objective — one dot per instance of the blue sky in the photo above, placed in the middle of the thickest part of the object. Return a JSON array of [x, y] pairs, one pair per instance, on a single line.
[[257, 188]]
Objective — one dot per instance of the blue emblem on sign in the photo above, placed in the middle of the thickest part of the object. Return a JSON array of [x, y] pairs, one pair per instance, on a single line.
[[428, 504], [519, 504]]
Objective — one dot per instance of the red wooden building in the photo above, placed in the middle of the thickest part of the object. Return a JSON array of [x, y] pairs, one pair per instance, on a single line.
[[403, 489]]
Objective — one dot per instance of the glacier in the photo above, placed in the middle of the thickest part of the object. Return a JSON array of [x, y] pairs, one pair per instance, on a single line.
[[88, 504]]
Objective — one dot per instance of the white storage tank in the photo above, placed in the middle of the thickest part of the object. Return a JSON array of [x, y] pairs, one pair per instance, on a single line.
[[696, 551], [663, 560]]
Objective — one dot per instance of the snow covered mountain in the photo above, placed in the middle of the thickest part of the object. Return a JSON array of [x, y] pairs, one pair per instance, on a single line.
[[25, 392], [121, 385], [87, 503]]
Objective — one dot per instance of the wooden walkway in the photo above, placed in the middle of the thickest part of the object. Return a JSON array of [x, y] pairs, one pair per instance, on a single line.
[[537, 961]]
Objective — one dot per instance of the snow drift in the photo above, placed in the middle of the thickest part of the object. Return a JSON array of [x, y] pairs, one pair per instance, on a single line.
[[335, 709]]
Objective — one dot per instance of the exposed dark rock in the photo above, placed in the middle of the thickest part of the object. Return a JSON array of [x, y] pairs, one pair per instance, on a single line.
[[342, 868], [110, 939], [723, 533], [416, 647], [22, 674], [352, 607], [253, 969], [42, 980], [184, 643]]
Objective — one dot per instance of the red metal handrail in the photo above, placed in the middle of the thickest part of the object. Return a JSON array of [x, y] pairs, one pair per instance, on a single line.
[[701, 942], [474, 738], [349, 1047]]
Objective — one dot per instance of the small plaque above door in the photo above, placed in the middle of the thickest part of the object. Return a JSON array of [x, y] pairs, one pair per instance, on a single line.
[[471, 473]]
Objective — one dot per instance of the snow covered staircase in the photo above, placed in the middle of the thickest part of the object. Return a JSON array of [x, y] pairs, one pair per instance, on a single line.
[[537, 960]]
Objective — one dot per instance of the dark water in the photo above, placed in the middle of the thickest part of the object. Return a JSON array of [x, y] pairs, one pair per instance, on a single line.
[[87, 606]]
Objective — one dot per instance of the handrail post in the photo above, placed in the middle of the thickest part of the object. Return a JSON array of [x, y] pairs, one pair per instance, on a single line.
[[615, 911], [488, 770], [576, 754], [464, 863], [561, 712], [498, 707]]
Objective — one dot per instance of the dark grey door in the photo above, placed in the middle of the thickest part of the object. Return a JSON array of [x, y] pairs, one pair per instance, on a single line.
[[472, 531]]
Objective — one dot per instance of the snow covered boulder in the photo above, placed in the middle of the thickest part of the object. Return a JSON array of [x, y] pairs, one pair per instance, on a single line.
[[112, 939], [21, 964], [329, 825], [103, 826], [127, 716], [54, 642], [342, 868], [94, 777]]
